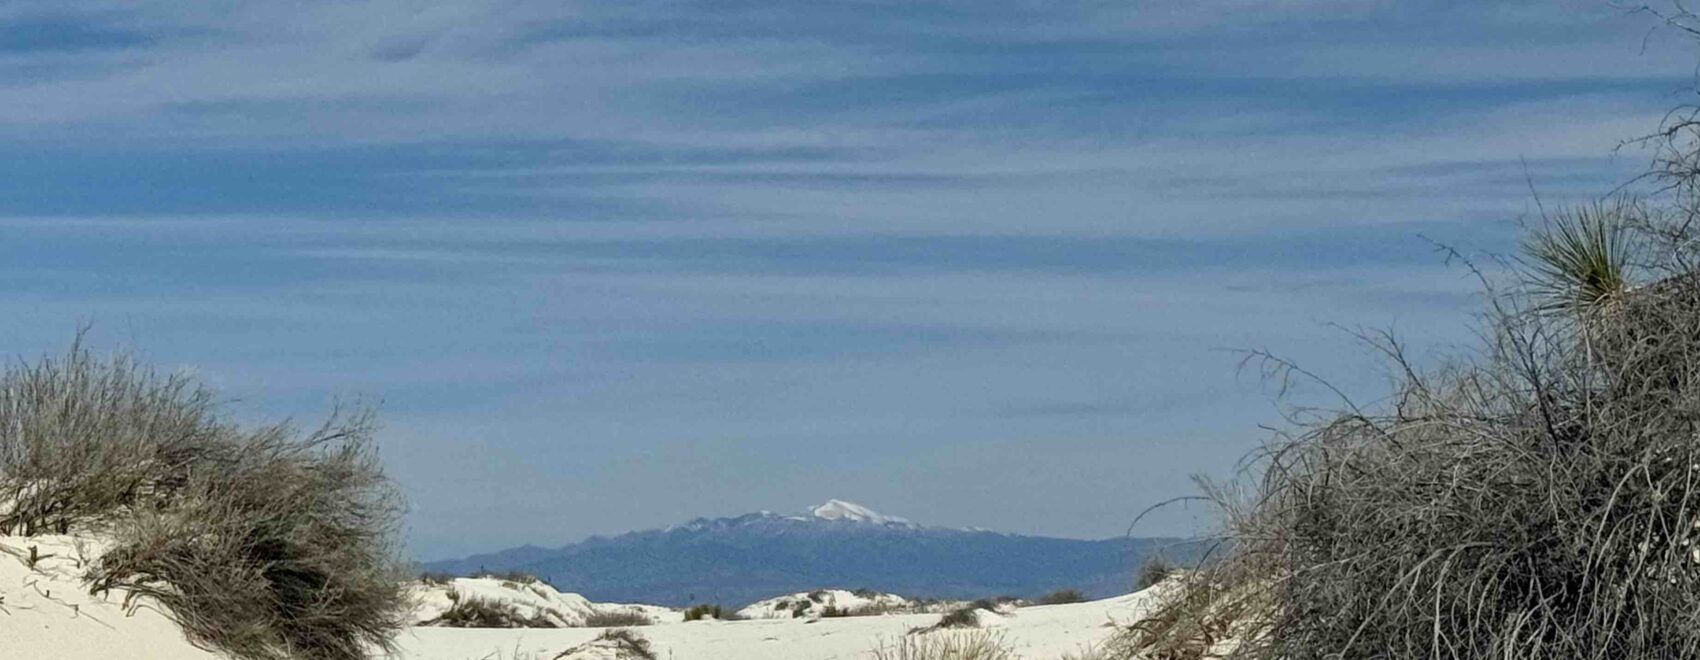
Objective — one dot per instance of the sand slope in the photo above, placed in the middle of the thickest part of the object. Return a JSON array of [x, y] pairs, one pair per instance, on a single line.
[[1034, 632], [46, 612]]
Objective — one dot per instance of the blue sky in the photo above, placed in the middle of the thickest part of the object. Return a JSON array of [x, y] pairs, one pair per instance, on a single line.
[[612, 265]]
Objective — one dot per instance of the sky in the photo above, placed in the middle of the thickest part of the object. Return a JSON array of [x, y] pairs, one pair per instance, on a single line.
[[614, 265]]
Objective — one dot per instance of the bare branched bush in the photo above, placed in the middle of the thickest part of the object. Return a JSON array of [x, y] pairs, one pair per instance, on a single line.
[[82, 438], [263, 543], [1537, 499]]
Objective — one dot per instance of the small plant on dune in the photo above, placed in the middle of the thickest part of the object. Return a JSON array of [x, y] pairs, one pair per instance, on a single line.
[[960, 618], [624, 645], [707, 611], [513, 577], [1153, 572], [627, 644], [616, 619], [874, 609], [977, 645], [966, 616], [1583, 261], [1061, 597], [263, 543], [437, 579]]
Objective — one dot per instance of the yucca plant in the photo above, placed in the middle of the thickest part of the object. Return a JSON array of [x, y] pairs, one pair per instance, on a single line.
[[1582, 259]]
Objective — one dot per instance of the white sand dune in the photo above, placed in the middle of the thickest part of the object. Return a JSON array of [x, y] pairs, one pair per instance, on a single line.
[[1034, 632], [813, 603], [531, 601], [46, 613]]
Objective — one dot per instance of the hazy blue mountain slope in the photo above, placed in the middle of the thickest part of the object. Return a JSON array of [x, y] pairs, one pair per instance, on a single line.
[[747, 558]]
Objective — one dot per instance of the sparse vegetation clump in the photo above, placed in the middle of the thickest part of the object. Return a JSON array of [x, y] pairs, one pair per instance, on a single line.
[[959, 618], [1537, 498], [473, 612], [628, 644], [263, 543], [513, 577], [966, 616], [436, 579], [616, 619], [1154, 571], [976, 645], [620, 643], [707, 611], [1061, 597]]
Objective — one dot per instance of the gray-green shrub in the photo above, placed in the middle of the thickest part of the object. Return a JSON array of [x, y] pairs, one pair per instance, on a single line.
[[265, 543], [1539, 498]]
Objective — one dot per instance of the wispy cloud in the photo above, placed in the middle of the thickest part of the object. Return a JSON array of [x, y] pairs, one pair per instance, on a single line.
[[603, 238]]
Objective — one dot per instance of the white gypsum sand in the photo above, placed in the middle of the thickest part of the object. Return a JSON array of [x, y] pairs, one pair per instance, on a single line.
[[46, 611], [1039, 632]]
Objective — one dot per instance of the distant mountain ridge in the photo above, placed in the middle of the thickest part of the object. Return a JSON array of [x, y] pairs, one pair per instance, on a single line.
[[840, 544]]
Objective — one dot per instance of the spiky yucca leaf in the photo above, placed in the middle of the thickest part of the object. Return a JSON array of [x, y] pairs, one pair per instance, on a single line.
[[1583, 256]]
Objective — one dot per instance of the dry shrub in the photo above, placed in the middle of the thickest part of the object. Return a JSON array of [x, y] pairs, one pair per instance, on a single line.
[[628, 644], [966, 616], [978, 645], [620, 643], [82, 438], [475, 612], [263, 543], [1538, 498]]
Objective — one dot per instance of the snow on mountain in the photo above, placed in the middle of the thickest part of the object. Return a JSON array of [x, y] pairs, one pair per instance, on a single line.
[[745, 558], [850, 511], [833, 511]]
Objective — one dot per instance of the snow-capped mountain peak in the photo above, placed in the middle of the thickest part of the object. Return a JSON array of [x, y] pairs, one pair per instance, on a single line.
[[853, 512]]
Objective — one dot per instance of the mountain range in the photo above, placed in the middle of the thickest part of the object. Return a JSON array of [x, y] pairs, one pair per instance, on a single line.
[[838, 544]]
